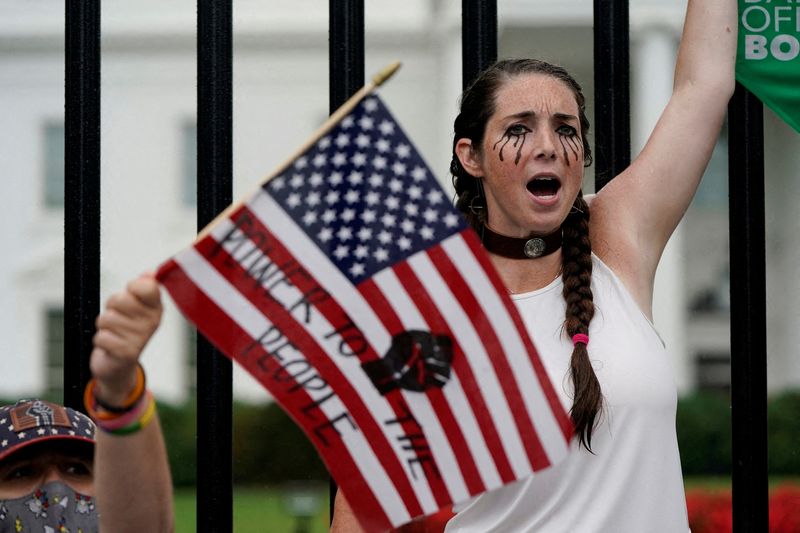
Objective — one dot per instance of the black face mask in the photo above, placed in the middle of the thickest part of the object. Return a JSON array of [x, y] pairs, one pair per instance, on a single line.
[[53, 508]]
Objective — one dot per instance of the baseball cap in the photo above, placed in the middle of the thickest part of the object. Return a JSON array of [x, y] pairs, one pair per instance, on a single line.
[[32, 421]]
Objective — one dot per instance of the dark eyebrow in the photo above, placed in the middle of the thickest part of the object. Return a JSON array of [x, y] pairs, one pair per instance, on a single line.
[[522, 115], [565, 116]]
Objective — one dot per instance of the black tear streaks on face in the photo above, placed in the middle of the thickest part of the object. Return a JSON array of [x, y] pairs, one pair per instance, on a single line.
[[519, 141], [574, 145]]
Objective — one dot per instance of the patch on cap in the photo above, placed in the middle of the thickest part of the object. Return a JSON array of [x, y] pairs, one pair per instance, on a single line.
[[38, 413]]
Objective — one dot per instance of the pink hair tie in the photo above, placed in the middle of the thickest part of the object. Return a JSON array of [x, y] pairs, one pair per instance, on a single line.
[[580, 337]]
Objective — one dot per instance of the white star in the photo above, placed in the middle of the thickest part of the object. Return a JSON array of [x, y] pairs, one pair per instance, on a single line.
[[381, 254], [297, 181], [293, 200], [324, 142], [347, 122], [418, 173], [356, 178], [412, 210], [341, 252], [320, 160], [415, 192], [376, 180], [301, 162], [370, 105], [451, 220], [54, 431], [430, 215], [71, 432], [392, 202], [365, 234], [368, 216], [396, 185], [342, 140], [407, 226], [352, 196], [403, 151], [313, 199], [366, 123], [336, 178], [373, 198], [332, 197], [309, 218], [11, 427], [316, 179], [386, 127], [21, 435], [383, 145], [339, 159], [404, 243], [426, 232], [40, 431], [4, 443], [325, 234], [329, 216], [348, 214], [388, 220], [379, 162], [434, 196], [362, 141], [277, 184], [385, 237], [361, 251], [399, 168], [357, 269], [344, 233]]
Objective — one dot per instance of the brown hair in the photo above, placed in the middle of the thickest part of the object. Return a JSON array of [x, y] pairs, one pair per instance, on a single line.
[[477, 106]]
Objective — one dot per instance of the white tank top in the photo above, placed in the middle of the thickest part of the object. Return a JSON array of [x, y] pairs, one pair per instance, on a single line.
[[633, 482]]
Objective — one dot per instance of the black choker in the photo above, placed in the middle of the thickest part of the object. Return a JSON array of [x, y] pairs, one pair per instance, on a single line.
[[520, 247]]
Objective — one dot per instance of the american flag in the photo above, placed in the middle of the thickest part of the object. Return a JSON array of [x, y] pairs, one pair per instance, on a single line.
[[351, 288]]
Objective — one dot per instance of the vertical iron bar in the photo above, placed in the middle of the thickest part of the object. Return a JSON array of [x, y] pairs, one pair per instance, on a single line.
[[346, 50], [612, 152], [81, 191], [478, 37], [214, 193], [345, 75], [748, 313]]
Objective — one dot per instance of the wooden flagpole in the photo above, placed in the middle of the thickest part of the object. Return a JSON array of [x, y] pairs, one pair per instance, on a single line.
[[376, 81]]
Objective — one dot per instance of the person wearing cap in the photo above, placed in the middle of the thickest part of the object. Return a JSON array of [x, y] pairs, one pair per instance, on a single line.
[[61, 471]]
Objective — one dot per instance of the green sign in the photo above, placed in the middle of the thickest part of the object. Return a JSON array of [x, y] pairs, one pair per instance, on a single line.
[[768, 58]]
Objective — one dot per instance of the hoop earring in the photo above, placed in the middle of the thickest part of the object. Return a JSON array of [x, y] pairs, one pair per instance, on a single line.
[[480, 196]]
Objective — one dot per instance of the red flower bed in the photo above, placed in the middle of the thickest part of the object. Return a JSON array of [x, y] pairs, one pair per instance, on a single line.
[[710, 511]]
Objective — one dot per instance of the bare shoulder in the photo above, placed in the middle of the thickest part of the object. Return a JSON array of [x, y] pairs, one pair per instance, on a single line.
[[614, 241]]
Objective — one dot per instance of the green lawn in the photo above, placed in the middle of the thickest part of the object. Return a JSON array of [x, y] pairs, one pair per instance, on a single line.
[[255, 510]]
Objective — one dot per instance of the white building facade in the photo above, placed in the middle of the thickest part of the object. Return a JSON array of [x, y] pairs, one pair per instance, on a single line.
[[148, 106]]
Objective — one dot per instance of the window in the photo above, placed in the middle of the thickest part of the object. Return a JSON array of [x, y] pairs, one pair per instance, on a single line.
[[54, 352], [189, 168], [713, 371], [54, 164]]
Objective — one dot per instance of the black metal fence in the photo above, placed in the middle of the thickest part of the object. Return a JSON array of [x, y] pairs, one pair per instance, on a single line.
[[214, 140]]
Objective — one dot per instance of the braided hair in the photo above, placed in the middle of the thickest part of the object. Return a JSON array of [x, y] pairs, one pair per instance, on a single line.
[[477, 106]]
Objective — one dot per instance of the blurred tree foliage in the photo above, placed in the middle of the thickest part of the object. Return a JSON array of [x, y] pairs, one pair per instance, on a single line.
[[268, 447], [704, 433]]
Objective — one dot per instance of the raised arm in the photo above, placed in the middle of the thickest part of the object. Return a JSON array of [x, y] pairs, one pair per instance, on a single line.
[[133, 486], [634, 216]]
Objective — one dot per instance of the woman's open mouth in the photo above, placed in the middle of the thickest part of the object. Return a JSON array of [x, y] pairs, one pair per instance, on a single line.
[[544, 187]]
